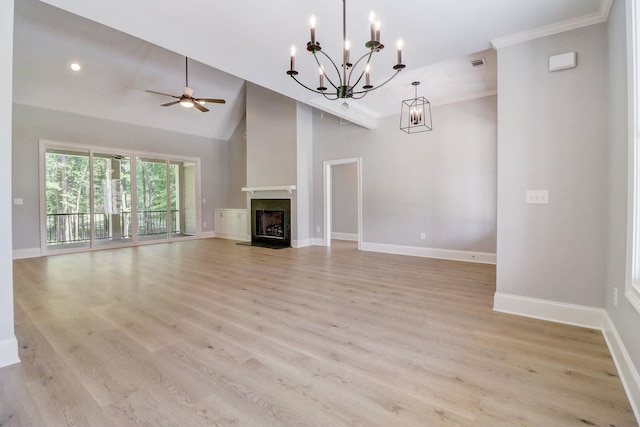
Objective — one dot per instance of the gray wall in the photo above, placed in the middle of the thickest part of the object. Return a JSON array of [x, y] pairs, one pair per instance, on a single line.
[[552, 135], [624, 316], [442, 183], [344, 198], [31, 124], [237, 167], [271, 138], [279, 152], [304, 175]]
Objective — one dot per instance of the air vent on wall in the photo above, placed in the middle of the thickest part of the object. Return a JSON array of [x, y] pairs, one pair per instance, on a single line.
[[478, 62]]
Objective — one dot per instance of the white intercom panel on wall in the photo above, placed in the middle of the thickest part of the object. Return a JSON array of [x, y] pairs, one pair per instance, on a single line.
[[564, 61]]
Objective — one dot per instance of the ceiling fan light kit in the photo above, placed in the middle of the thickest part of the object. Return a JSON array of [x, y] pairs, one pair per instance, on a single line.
[[187, 99], [345, 84], [186, 103]]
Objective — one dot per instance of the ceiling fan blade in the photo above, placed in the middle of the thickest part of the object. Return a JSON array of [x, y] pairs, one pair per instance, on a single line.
[[212, 100], [200, 107], [168, 104], [160, 93]]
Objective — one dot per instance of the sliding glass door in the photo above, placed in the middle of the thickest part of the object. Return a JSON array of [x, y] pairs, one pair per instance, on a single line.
[[182, 195], [154, 217], [102, 198], [67, 199], [111, 199]]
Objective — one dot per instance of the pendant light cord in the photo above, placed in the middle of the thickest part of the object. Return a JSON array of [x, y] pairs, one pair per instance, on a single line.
[[344, 41], [186, 71]]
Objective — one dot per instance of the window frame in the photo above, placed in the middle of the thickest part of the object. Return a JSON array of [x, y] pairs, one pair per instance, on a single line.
[[45, 144], [632, 285]]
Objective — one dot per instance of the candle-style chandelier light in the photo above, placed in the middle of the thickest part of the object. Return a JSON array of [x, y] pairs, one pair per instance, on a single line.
[[345, 83]]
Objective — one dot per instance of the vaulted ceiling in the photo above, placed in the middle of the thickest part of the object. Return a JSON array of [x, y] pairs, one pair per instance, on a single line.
[[128, 46]]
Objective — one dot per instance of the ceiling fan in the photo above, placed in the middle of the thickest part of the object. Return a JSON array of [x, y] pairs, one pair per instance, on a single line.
[[187, 99]]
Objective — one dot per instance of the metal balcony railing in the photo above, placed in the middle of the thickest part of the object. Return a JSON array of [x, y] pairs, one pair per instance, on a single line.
[[76, 227]]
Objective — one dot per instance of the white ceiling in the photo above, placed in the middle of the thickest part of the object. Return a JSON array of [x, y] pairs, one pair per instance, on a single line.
[[239, 40]]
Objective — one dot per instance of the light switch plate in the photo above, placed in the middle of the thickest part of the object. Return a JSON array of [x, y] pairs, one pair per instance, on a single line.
[[537, 197]]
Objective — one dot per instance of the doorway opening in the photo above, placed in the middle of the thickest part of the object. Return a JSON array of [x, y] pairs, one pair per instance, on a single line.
[[329, 190]]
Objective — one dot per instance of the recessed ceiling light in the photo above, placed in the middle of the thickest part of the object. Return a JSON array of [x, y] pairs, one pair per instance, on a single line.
[[75, 66]]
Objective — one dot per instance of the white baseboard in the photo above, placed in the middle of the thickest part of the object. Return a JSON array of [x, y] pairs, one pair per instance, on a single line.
[[479, 257], [242, 238], [571, 314], [206, 235], [318, 241], [9, 352], [302, 243], [352, 237], [626, 369], [578, 315], [27, 253]]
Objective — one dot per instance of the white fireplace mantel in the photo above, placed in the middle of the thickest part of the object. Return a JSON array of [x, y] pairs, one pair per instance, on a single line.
[[287, 188]]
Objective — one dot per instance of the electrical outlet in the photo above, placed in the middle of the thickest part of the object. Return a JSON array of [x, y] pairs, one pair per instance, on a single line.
[[423, 236], [537, 197], [204, 225], [615, 297]]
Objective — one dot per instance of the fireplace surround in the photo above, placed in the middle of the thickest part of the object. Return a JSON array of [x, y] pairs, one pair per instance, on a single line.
[[271, 223]]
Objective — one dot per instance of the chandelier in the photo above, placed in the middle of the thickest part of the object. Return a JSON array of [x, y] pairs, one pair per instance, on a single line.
[[344, 83], [415, 115]]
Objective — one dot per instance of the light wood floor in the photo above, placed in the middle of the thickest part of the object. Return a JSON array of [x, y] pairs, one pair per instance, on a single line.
[[209, 333]]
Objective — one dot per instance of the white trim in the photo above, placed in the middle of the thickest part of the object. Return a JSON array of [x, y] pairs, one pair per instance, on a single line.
[[27, 253], [477, 257], [632, 275], [462, 98], [105, 149], [44, 144], [570, 24], [317, 241], [570, 314], [42, 211], [626, 369], [9, 352], [583, 316], [352, 237], [302, 243], [287, 188], [357, 113], [207, 235]]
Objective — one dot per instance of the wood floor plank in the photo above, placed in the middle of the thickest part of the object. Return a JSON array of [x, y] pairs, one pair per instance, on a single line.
[[207, 332], [342, 347], [328, 369]]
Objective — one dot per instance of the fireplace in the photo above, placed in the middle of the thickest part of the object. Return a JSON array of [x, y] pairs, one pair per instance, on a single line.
[[271, 222]]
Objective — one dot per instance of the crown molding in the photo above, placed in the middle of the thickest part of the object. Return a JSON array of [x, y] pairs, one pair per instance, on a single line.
[[461, 98], [571, 24]]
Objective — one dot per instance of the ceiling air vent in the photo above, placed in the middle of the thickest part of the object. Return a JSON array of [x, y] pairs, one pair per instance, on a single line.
[[479, 62]]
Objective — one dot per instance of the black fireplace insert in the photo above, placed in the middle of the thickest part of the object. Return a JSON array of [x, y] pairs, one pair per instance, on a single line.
[[271, 222]]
